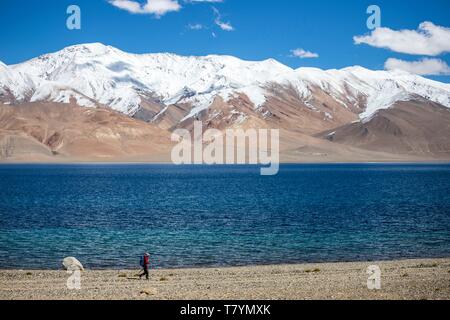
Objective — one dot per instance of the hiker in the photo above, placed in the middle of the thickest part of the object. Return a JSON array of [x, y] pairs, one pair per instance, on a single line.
[[145, 264]]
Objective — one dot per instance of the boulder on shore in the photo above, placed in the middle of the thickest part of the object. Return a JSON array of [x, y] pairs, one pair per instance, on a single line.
[[71, 263]]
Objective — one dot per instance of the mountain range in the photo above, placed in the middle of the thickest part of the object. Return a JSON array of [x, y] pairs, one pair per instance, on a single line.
[[92, 102]]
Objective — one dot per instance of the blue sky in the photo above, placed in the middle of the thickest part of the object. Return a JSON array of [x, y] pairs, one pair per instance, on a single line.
[[260, 29]]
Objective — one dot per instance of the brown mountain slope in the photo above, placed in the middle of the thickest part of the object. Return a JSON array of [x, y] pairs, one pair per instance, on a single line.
[[417, 128], [66, 132], [409, 131]]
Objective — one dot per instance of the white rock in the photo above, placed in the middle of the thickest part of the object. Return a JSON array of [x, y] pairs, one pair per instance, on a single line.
[[71, 263]]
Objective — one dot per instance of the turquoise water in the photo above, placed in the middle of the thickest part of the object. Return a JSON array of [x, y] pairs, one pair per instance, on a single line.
[[107, 215]]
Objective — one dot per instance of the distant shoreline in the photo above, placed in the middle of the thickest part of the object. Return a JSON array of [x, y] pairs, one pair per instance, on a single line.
[[415, 279], [226, 267], [221, 165]]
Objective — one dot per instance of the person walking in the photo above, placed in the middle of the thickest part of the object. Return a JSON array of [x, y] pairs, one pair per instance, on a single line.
[[145, 264]]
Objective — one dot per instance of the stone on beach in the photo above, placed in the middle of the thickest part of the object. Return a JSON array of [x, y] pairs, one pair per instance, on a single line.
[[71, 263], [149, 292]]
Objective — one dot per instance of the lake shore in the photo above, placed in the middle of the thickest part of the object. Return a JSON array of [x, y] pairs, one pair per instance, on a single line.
[[167, 161], [401, 279]]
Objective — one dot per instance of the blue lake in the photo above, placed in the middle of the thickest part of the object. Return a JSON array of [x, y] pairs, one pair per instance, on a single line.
[[107, 215]]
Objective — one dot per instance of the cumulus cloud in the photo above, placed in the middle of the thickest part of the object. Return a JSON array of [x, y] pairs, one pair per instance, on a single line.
[[303, 54], [155, 7], [429, 39], [425, 66]]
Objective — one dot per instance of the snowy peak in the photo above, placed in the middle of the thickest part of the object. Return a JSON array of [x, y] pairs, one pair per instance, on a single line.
[[98, 74], [14, 85], [118, 79]]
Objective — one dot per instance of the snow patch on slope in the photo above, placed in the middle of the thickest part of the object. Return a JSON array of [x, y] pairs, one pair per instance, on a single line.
[[16, 83], [381, 89], [50, 91]]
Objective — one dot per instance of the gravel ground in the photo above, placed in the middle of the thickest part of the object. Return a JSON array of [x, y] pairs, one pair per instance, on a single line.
[[409, 279]]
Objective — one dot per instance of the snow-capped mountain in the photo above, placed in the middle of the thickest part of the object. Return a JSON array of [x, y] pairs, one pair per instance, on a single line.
[[95, 74], [14, 85], [352, 114], [121, 80], [380, 89]]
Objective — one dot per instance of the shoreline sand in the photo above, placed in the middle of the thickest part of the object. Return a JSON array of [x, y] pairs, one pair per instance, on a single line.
[[401, 279], [168, 162]]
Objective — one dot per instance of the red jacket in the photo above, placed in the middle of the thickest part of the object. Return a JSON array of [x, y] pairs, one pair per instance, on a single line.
[[146, 263]]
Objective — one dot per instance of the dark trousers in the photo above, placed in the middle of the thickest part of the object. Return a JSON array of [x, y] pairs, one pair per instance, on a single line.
[[145, 273]]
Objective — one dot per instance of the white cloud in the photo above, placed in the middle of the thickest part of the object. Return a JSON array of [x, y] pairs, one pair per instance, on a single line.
[[425, 66], [225, 26], [303, 54], [429, 39], [155, 7], [210, 1], [161, 7], [130, 6]]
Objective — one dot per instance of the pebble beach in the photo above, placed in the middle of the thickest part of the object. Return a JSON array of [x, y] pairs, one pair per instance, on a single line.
[[425, 279]]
